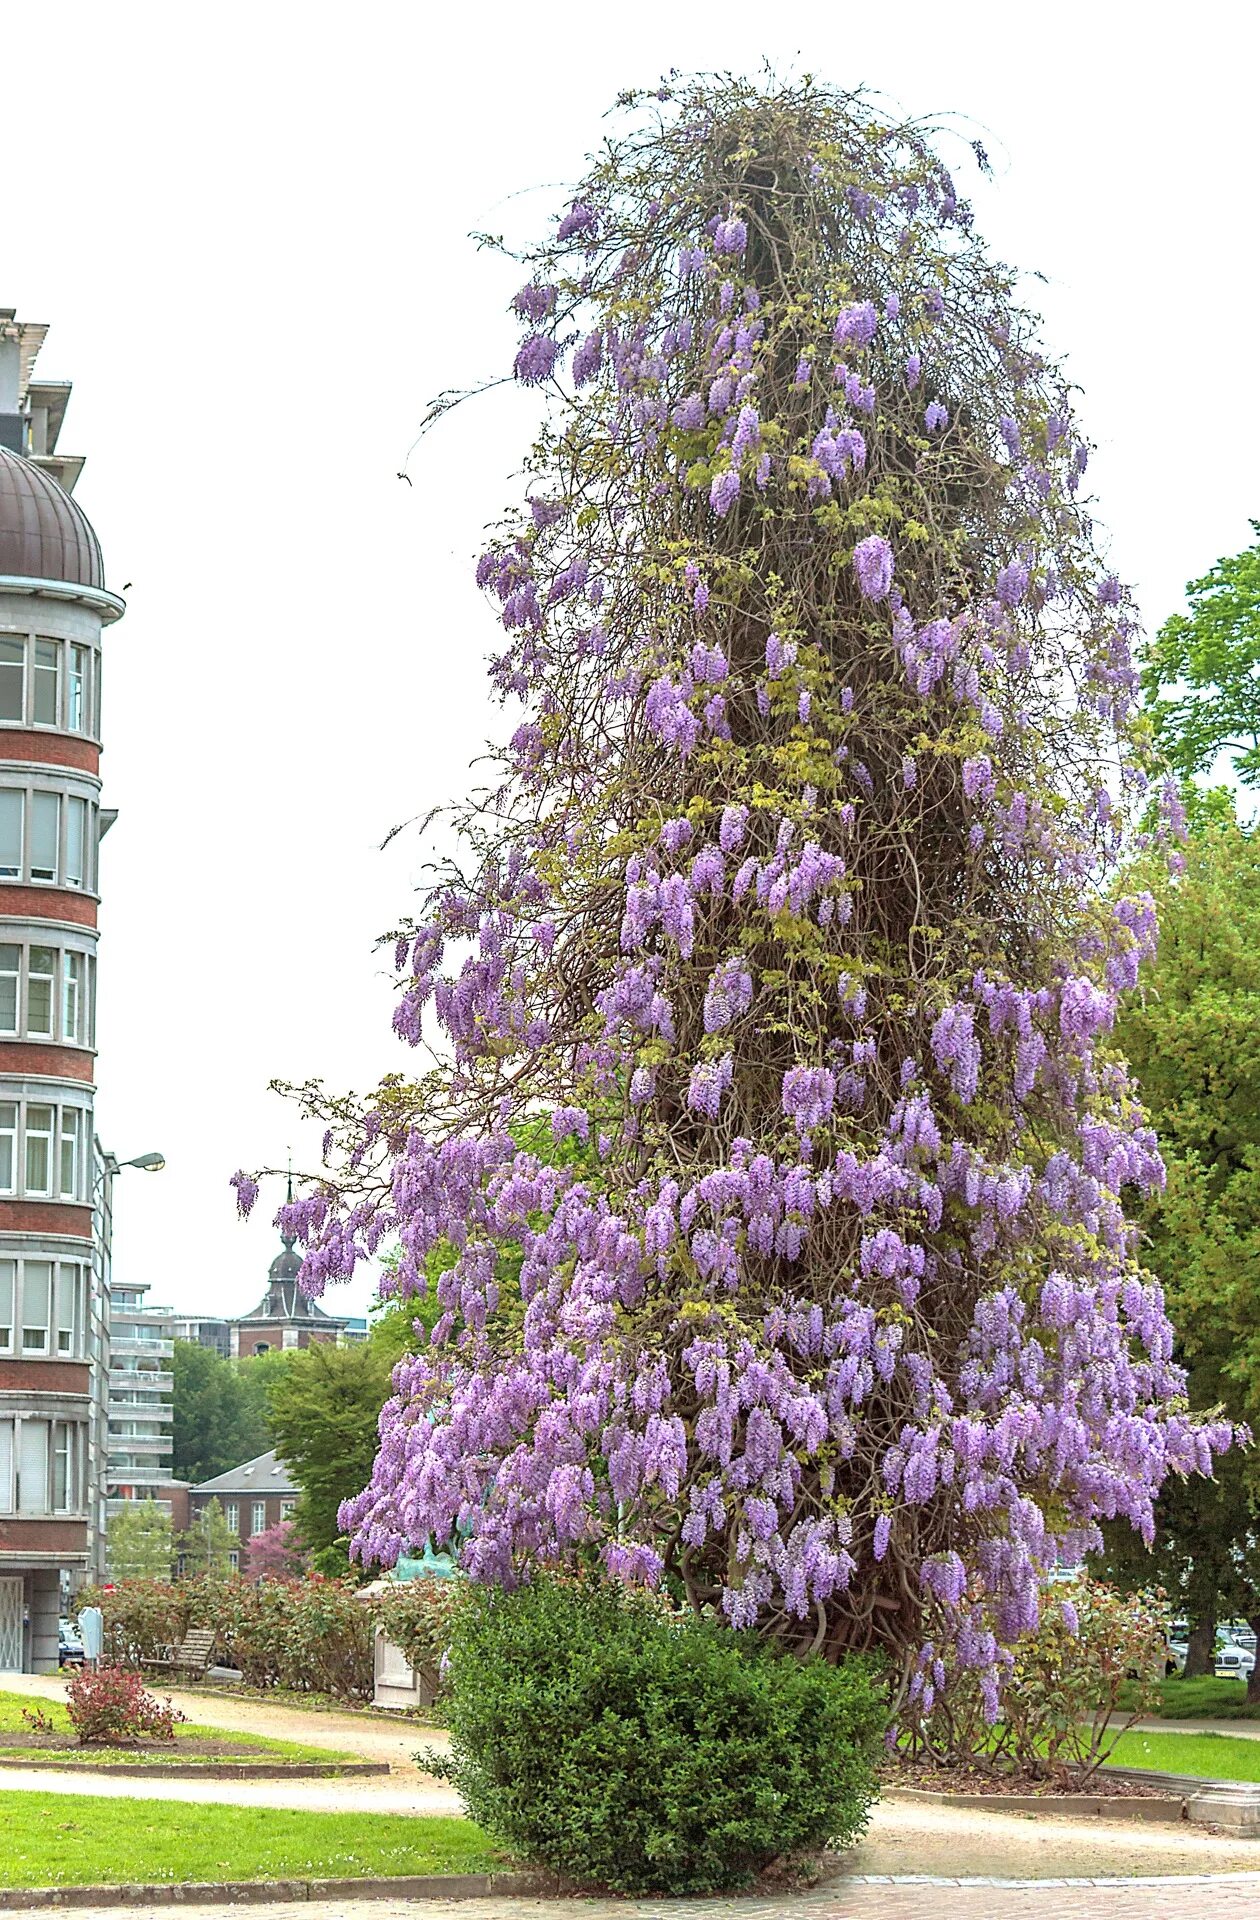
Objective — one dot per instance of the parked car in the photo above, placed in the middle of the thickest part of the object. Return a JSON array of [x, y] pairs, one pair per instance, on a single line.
[[1234, 1663], [69, 1645], [1175, 1656], [1236, 1633]]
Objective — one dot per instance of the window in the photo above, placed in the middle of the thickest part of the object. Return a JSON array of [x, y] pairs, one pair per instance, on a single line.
[[7, 1501], [8, 1300], [73, 999], [76, 843], [71, 1151], [12, 806], [8, 1146], [36, 1304], [32, 1467], [234, 1561], [46, 704], [39, 1150], [76, 700], [232, 1514], [41, 984], [258, 1517], [44, 857], [45, 835], [71, 1300], [286, 1509], [10, 973], [12, 678]]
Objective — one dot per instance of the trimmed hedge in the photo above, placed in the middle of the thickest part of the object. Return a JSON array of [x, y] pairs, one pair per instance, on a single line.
[[648, 1754]]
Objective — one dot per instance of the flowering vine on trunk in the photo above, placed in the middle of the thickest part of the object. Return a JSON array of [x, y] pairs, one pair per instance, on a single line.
[[791, 909]]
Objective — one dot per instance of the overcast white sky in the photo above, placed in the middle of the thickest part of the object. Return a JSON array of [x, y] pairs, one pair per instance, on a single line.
[[247, 227]]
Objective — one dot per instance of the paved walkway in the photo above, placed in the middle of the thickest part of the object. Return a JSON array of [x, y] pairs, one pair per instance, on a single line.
[[1086, 1900], [904, 1838]]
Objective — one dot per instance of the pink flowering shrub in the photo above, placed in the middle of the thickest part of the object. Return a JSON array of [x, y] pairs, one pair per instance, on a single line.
[[792, 905], [111, 1705]]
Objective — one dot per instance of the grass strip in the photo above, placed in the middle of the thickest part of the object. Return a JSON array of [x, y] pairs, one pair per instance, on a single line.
[[75, 1840], [261, 1747], [1208, 1756]]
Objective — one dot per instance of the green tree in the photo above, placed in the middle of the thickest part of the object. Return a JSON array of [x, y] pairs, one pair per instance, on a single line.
[[219, 1410], [1200, 674], [323, 1411], [139, 1541], [206, 1546], [1193, 1039]]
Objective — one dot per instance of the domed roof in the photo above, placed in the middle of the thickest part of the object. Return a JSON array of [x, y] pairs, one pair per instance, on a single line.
[[43, 534], [286, 1265]]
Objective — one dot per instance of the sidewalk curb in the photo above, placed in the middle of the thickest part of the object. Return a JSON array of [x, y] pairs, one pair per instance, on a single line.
[[215, 1893]]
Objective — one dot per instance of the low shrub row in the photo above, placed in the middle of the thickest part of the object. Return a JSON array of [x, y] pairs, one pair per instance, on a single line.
[[307, 1635]]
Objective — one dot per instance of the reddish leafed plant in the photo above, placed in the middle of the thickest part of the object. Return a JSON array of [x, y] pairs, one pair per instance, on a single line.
[[111, 1705]]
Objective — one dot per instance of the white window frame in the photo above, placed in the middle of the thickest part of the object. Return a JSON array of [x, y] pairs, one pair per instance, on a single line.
[[37, 671], [257, 1518], [82, 679], [33, 1135], [10, 1300], [37, 1326], [44, 973], [20, 642], [10, 1131], [32, 800], [232, 1514], [12, 971], [16, 795]]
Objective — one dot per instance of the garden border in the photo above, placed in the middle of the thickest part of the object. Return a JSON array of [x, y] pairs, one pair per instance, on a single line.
[[193, 1770]]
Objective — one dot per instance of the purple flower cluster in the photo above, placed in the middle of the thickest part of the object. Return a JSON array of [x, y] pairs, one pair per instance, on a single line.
[[810, 1120]]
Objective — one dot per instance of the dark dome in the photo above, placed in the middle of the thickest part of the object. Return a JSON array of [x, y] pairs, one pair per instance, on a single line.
[[43, 534], [286, 1265]]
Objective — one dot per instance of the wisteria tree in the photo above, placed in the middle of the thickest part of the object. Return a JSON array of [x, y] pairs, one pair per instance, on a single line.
[[791, 909]]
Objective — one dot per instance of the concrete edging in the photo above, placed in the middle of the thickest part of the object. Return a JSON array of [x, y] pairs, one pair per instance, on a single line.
[[474, 1886], [210, 1770], [1103, 1806], [430, 1886]]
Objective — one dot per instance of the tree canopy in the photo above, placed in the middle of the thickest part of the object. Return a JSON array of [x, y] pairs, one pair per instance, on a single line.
[[1201, 675], [139, 1541], [218, 1410], [790, 904]]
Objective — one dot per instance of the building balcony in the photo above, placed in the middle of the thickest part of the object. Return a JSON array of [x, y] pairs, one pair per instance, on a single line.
[[122, 1342], [141, 1380]]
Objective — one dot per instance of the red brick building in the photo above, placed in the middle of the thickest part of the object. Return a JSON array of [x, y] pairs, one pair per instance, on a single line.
[[255, 1497], [54, 610]]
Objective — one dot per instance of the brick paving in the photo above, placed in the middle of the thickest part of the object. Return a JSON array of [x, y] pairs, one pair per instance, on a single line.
[[1221, 1897]]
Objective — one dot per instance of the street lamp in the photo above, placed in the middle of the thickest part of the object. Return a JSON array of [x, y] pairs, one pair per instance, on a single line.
[[147, 1162]]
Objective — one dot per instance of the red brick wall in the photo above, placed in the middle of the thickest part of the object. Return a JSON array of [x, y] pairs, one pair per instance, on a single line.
[[50, 750], [47, 903], [43, 1376], [59, 1063], [42, 1536], [46, 1216]]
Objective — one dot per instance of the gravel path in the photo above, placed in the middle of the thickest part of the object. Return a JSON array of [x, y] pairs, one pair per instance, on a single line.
[[904, 1838]]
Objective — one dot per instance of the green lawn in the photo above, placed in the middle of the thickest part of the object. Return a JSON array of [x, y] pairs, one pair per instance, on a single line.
[[1212, 1756], [65, 1839], [1206, 1699], [261, 1748]]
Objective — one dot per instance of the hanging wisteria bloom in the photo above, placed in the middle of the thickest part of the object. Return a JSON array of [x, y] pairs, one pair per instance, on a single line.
[[873, 560], [772, 1174]]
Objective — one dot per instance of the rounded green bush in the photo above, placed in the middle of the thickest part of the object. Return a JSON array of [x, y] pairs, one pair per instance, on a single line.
[[622, 1748]]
